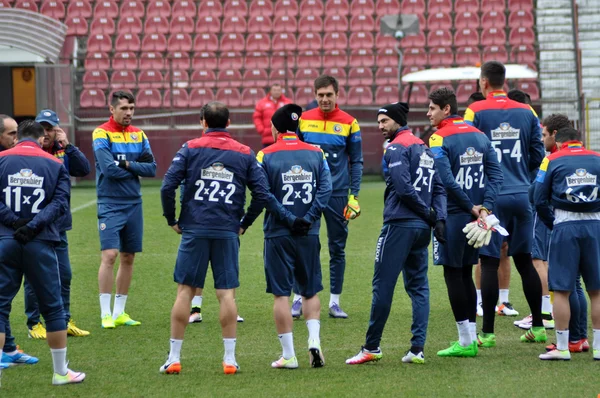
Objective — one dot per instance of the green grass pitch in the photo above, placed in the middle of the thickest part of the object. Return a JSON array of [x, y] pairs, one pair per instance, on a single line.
[[124, 362]]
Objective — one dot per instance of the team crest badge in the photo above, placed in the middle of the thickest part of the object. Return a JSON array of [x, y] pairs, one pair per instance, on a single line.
[[294, 116], [337, 128], [102, 226], [134, 136]]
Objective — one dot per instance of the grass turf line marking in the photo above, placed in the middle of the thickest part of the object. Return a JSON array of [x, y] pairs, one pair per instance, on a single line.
[[84, 206]]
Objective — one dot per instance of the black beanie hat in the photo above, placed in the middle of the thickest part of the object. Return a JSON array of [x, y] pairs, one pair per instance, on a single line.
[[396, 111], [286, 118]]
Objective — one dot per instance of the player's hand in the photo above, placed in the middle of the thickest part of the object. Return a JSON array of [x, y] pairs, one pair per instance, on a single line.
[[24, 235], [61, 136], [300, 227], [352, 209], [176, 228], [20, 222], [242, 231], [146, 157], [439, 232], [432, 218], [124, 164], [475, 211]]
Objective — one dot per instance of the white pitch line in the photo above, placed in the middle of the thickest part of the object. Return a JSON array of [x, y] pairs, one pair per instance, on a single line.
[[84, 206]]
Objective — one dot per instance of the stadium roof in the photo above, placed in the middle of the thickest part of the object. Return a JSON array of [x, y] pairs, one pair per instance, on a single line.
[[513, 71], [11, 55]]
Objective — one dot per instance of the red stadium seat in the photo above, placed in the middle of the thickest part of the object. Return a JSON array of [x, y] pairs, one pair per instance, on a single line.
[[131, 25], [122, 79], [335, 41], [338, 73], [493, 37], [208, 24], [100, 43], [203, 78], [439, 38], [262, 8], [362, 7], [285, 24], [256, 78], [335, 59], [151, 60], [229, 78], [466, 37], [523, 54], [386, 41], [132, 8], [257, 41], [309, 41], [362, 23], [90, 98], [97, 61], [387, 75], [176, 98], [229, 96], [461, 6], [467, 56], [26, 5], [520, 36], [256, 59], [497, 5], [156, 24], [210, 8], [521, 18], [180, 42], [386, 95], [309, 59], [53, 9], [286, 7], [360, 96], [360, 77], [435, 6], [106, 8], [200, 96], [439, 21], [520, 5], [95, 79], [76, 26], [204, 60], [283, 42], [232, 42], [305, 77], [387, 57], [362, 58], [158, 8], [414, 57], [235, 8], [178, 60], [311, 7], [441, 57], [387, 7], [361, 40], [417, 40], [184, 8], [280, 76], [150, 79], [103, 26], [413, 6], [125, 60], [313, 23], [148, 98], [342, 97], [206, 42], [260, 24], [530, 87], [154, 42], [466, 20], [495, 53], [338, 7], [493, 19], [304, 95], [335, 23], [418, 95], [5, 4], [250, 96], [230, 60], [234, 24], [127, 42], [464, 91], [80, 8], [282, 60]]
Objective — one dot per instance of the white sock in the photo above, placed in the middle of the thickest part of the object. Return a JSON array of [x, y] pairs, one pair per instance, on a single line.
[[473, 330], [120, 301], [197, 301], [314, 327], [229, 356], [464, 335], [297, 297], [334, 298], [596, 342], [175, 351], [546, 305], [104, 304], [479, 296], [562, 340], [59, 360], [287, 345], [503, 296]]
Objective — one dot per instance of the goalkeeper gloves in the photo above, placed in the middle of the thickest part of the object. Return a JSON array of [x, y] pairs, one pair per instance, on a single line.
[[352, 209], [479, 232], [439, 232], [146, 157], [300, 227]]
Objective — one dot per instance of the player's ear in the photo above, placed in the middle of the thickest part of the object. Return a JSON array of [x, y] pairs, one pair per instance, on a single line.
[[40, 141], [228, 122]]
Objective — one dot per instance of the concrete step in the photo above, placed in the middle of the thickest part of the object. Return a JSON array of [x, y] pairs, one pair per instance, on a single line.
[[554, 55], [554, 28], [546, 4], [554, 46], [587, 36]]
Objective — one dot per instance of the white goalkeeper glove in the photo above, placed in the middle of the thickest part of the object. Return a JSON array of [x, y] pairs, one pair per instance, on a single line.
[[479, 232]]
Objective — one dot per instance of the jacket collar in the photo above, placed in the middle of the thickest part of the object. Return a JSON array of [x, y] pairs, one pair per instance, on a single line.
[[286, 137], [450, 120], [497, 94], [116, 126], [217, 132], [28, 142], [402, 130], [571, 144], [329, 115]]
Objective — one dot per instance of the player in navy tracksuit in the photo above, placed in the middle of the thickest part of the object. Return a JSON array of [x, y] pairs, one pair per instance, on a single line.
[[57, 144], [415, 201], [514, 130], [216, 170], [34, 193], [568, 181], [299, 177], [468, 167]]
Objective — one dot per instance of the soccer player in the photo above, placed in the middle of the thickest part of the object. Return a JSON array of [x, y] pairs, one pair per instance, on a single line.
[[568, 182], [468, 167], [514, 130], [123, 155], [35, 193], [216, 170], [264, 110], [415, 201], [338, 135], [299, 178], [57, 145]]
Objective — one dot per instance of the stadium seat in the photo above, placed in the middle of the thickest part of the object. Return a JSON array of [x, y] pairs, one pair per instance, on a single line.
[[464, 91], [210, 8], [80, 8], [124, 60], [413, 6], [204, 60], [523, 54], [361, 40], [363, 23], [260, 24], [99, 43], [461, 6], [203, 78], [309, 59], [414, 57], [237, 8], [466, 37], [131, 25], [158, 8], [520, 5], [154, 42], [256, 77], [232, 42], [285, 24], [200, 96], [184, 8], [97, 61], [493, 37], [466, 20], [122, 79], [305, 77], [387, 7], [156, 24], [262, 8], [309, 41], [77, 26], [26, 5], [312, 7], [412, 40], [53, 9], [95, 79], [257, 41], [283, 42], [250, 96], [530, 87], [256, 60], [386, 95], [178, 60], [335, 59], [439, 38], [335, 41], [127, 42], [90, 98], [360, 77], [342, 96], [362, 58], [520, 36], [418, 95], [208, 24], [338, 7], [495, 53], [102, 26], [338, 73], [387, 75], [150, 60], [362, 7], [230, 60], [229, 96], [493, 19], [206, 42], [182, 24], [180, 42], [234, 24], [106, 8], [314, 23], [286, 7], [387, 57], [439, 21], [148, 98], [303, 96], [522, 18], [177, 78], [441, 57], [335, 23], [132, 8], [467, 56], [386, 41], [176, 98], [359, 96], [5, 4], [280, 76], [437, 6], [229, 78], [282, 60]]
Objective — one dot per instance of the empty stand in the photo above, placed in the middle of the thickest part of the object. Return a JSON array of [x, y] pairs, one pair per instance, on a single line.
[[184, 8], [437, 6], [97, 79], [260, 24], [335, 23], [92, 98], [77, 26], [467, 56], [103, 26], [156, 24], [148, 98], [178, 60], [132, 8], [176, 98], [234, 24], [337, 7], [81, 8], [53, 9], [152, 61], [131, 25], [200, 96], [235, 8], [158, 9], [359, 96], [250, 96], [387, 7], [229, 96], [261, 8], [386, 95], [107, 9], [125, 60], [285, 24], [210, 8], [314, 23]]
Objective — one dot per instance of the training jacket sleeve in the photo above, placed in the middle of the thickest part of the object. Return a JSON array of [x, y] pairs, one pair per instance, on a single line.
[[59, 204], [494, 178], [401, 181], [354, 146], [444, 171], [542, 193], [171, 182], [537, 152], [144, 169], [79, 166]]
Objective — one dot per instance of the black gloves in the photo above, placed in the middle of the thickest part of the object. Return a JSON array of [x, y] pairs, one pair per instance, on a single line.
[[439, 232], [431, 220], [145, 158], [24, 235], [300, 227], [20, 222], [123, 164]]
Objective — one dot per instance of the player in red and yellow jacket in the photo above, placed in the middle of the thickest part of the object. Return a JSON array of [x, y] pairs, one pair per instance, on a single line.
[[265, 108]]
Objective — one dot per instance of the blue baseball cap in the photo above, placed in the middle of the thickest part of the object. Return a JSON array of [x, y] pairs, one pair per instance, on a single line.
[[48, 116]]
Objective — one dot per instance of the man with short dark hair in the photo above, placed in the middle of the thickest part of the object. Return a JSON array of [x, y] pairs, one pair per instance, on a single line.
[[264, 110], [123, 155], [520, 96], [8, 132]]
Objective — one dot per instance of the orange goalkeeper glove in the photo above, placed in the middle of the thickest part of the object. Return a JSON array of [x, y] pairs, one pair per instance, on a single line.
[[352, 209]]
